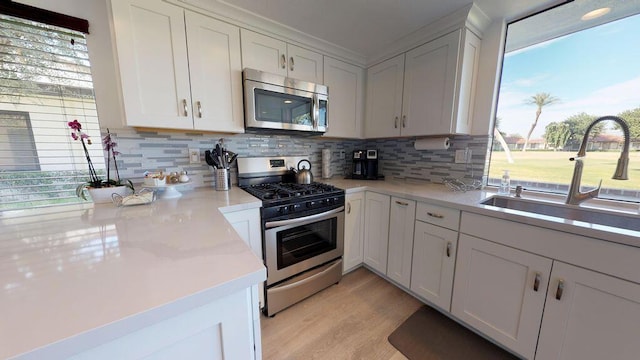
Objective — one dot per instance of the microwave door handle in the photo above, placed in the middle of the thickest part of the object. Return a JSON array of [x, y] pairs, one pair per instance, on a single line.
[[314, 111], [272, 224]]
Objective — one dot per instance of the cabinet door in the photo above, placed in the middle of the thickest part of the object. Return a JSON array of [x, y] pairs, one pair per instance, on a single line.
[[384, 98], [401, 222], [434, 254], [264, 53], [247, 224], [221, 329], [501, 292], [467, 79], [429, 86], [346, 92], [376, 231], [305, 64], [353, 231], [216, 74], [595, 317], [152, 59]]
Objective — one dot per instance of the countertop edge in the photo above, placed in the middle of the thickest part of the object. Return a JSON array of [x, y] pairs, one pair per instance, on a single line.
[[470, 202]]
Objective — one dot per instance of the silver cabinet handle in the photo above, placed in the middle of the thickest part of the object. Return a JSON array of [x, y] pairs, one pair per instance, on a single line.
[[404, 121], [449, 249], [434, 215], [291, 63], [402, 203], [536, 281], [348, 208], [199, 105], [560, 289], [184, 105], [283, 61], [395, 123]]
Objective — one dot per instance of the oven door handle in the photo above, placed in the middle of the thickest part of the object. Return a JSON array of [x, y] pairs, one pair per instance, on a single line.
[[272, 224]]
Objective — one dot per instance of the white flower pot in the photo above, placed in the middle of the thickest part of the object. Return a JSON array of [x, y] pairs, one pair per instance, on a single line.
[[103, 195]]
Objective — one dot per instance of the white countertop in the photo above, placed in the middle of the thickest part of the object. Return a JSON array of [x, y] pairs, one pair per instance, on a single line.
[[74, 270], [78, 273], [470, 201]]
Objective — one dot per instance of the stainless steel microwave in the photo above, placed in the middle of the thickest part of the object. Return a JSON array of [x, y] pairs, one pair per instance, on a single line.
[[281, 103]]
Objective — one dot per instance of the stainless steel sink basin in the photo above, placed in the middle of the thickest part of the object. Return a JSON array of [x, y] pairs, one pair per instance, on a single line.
[[569, 212]]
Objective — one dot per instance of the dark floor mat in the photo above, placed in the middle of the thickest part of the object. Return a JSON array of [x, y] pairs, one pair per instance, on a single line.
[[429, 335]]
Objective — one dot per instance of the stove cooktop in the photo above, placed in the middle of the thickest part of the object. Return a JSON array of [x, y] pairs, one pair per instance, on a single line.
[[279, 191]]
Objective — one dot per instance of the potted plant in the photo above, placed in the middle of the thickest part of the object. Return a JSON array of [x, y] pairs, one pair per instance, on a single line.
[[99, 189]]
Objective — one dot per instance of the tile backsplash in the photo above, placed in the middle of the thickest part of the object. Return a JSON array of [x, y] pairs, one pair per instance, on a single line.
[[168, 150]]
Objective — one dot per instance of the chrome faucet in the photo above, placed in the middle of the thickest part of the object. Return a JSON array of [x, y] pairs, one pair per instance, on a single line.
[[575, 197]]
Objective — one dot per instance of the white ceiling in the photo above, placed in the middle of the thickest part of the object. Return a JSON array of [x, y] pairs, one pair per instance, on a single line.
[[369, 26]]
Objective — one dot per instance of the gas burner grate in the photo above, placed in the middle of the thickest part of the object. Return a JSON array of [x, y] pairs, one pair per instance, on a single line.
[[272, 191]]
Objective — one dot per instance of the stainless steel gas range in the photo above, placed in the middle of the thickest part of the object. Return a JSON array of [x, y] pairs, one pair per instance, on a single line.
[[302, 230]]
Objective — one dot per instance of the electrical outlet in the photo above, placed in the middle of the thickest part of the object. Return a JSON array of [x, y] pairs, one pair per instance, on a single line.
[[342, 154], [461, 156], [194, 156]]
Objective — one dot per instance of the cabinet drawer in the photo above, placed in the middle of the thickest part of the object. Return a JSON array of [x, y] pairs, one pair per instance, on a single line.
[[438, 215]]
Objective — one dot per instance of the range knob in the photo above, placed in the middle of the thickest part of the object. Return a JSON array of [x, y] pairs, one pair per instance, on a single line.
[[283, 210]]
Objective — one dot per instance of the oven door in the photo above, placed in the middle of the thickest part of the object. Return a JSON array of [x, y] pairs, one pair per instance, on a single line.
[[295, 245]]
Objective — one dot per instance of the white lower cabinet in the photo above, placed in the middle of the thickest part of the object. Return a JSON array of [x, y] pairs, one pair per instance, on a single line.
[[589, 315], [247, 224], [500, 291], [434, 258], [376, 231], [222, 329], [400, 249], [353, 232]]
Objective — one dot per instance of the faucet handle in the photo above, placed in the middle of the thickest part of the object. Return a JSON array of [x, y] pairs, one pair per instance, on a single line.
[[518, 190], [594, 192]]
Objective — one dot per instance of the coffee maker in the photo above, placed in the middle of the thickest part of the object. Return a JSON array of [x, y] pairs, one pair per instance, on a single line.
[[365, 164]]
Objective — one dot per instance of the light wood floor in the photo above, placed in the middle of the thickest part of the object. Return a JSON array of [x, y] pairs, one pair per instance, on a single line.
[[350, 320]]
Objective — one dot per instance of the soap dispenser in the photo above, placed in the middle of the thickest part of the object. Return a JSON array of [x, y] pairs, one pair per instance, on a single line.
[[505, 184]]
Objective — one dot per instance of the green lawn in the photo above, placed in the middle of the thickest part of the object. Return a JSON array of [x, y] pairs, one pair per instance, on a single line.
[[555, 167]]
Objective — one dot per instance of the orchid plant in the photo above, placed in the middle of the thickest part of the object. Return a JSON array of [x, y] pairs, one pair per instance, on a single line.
[[109, 147]]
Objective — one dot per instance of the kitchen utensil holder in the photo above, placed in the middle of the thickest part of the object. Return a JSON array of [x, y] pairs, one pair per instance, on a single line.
[[223, 179]]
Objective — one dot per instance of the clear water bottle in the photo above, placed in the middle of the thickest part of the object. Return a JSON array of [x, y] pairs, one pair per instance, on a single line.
[[505, 184]]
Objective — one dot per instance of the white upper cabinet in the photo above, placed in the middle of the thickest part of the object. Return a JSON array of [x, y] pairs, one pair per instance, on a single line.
[[271, 55], [152, 54], [346, 94], [178, 69], [216, 74], [384, 98], [429, 85], [427, 91]]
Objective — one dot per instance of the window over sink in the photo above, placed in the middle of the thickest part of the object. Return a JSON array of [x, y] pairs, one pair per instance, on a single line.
[[562, 69]]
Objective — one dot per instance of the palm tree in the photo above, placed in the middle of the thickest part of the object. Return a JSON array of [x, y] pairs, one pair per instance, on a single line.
[[540, 100]]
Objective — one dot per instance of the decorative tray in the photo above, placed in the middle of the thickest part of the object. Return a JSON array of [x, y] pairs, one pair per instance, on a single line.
[[143, 197]]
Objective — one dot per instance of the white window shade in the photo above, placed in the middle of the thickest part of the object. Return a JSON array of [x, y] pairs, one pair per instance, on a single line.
[[45, 82]]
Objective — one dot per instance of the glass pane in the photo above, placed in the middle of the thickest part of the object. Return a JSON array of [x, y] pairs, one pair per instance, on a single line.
[[558, 76], [282, 108], [306, 241]]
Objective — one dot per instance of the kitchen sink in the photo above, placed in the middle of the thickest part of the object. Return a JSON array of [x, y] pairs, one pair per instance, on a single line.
[[570, 212]]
